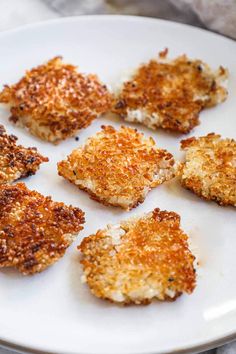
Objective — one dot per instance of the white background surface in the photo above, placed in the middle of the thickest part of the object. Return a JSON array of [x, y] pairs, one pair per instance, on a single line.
[[19, 12]]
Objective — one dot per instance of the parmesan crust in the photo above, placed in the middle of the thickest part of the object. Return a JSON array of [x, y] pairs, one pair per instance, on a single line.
[[170, 93], [139, 260], [118, 167], [17, 161], [34, 231], [209, 169], [54, 100]]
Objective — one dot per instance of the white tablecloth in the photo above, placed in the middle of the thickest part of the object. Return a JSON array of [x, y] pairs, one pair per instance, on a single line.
[[196, 12]]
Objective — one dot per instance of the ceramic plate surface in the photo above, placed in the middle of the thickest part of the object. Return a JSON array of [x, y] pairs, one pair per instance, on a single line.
[[53, 311]]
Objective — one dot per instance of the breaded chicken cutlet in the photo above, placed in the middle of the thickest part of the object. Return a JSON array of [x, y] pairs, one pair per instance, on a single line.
[[139, 260], [170, 93], [17, 161], [118, 167], [54, 100], [34, 231], [209, 169]]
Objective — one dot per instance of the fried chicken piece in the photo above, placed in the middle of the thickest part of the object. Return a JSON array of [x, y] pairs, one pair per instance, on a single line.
[[54, 101], [118, 167], [209, 169], [170, 93], [17, 161], [139, 260], [34, 231]]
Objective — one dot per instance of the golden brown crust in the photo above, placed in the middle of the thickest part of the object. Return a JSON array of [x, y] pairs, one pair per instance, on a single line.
[[139, 259], [54, 101], [17, 161], [34, 231], [118, 167], [209, 169], [171, 93]]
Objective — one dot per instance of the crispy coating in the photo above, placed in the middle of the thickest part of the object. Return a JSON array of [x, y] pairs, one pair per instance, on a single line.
[[209, 169], [171, 93], [54, 101], [118, 167], [34, 231], [17, 161], [139, 260]]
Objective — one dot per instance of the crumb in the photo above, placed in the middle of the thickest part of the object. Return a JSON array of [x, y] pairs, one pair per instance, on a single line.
[[209, 169], [17, 161], [170, 93], [118, 167], [34, 231], [139, 260], [54, 100]]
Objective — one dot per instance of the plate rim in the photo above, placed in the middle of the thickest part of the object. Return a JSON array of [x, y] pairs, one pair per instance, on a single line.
[[202, 346], [113, 17], [215, 342]]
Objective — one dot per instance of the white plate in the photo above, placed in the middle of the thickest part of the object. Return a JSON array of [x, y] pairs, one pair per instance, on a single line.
[[53, 311]]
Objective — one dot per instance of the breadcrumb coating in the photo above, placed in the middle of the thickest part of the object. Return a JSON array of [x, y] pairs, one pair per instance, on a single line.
[[34, 231], [54, 100], [139, 259], [209, 169], [171, 93], [17, 161], [118, 167]]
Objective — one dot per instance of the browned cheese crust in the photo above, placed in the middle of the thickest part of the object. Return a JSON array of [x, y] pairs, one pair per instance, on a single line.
[[54, 100], [118, 167], [17, 161], [34, 231], [209, 169], [170, 93], [139, 260]]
